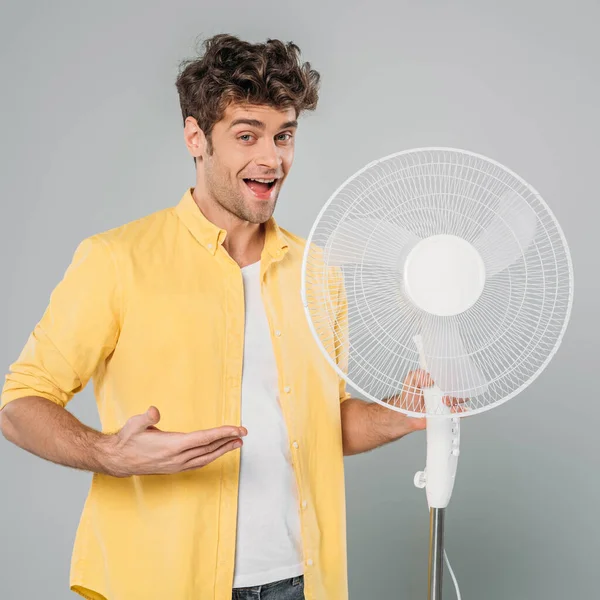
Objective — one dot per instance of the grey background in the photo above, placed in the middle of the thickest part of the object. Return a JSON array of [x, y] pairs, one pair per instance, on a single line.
[[92, 138]]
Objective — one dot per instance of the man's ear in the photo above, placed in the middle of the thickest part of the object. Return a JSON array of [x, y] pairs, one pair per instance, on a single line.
[[195, 140]]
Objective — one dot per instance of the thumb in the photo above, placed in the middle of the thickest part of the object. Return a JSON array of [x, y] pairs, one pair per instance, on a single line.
[[152, 415], [139, 423]]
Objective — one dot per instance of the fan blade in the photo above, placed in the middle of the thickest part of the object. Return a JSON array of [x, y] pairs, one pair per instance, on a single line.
[[448, 362], [509, 234], [369, 241]]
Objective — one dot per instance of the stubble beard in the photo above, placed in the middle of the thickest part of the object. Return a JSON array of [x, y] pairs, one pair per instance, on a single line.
[[231, 199]]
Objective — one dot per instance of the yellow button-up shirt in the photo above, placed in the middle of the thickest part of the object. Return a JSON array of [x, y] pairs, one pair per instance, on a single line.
[[153, 312]]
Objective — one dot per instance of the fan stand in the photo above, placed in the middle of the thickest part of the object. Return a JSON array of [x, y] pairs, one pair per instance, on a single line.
[[436, 552], [443, 442], [443, 449]]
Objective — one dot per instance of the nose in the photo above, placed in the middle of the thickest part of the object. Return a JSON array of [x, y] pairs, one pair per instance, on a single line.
[[270, 156]]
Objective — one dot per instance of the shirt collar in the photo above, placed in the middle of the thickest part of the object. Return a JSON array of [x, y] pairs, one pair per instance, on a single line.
[[211, 236]]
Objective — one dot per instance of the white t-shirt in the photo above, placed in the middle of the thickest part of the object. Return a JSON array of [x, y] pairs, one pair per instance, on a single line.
[[268, 528]]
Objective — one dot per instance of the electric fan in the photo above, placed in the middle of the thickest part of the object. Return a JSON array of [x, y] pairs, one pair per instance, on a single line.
[[445, 261]]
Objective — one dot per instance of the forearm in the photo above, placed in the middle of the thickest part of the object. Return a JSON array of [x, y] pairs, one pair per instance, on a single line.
[[53, 433], [367, 425]]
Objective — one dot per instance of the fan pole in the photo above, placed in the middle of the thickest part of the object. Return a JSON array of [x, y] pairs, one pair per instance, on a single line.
[[436, 552]]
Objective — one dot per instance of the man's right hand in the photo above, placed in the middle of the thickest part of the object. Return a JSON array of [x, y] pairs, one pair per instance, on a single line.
[[140, 448]]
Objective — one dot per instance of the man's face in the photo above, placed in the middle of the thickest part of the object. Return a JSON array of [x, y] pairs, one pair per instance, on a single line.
[[250, 142]]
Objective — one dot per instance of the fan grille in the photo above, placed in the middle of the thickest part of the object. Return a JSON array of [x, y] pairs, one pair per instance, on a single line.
[[364, 321]]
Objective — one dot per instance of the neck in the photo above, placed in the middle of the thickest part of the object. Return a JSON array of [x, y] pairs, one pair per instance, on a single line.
[[244, 241]]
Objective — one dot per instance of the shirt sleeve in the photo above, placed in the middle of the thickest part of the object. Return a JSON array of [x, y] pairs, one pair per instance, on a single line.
[[78, 330]]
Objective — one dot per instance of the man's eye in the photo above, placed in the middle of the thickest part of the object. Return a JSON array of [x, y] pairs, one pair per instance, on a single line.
[[245, 137], [284, 137]]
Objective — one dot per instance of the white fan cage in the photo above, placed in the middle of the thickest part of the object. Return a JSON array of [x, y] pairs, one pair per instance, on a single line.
[[364, 322]]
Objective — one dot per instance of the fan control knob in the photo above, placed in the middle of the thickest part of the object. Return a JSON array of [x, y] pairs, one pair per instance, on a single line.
[[420, 479]]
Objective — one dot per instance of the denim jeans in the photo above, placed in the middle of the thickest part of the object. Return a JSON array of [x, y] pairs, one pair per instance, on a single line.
[[286, 589]]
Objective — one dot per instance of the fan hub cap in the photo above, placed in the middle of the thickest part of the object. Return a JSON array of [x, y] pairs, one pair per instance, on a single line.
[[444, 275]]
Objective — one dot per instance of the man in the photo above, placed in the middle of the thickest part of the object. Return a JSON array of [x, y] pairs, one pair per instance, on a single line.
[[219, 466]]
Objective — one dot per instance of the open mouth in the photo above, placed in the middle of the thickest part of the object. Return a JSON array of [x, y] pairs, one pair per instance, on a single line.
[[261, 188]]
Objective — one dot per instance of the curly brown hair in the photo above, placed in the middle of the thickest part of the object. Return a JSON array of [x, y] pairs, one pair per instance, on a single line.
[[233, 70]]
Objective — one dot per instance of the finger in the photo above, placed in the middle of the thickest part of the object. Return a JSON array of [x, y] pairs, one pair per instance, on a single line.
[[412, 401], [208, 436], [424, 379], [197, 451], [452, 401], [418, 379], [414, 377], [411, 383], [206, 459], [409, 393]]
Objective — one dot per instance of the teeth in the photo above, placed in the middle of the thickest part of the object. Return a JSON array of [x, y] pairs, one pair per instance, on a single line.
[[263, 180]]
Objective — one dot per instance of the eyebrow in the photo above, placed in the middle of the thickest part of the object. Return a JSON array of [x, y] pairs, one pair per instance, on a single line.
[[259, 124]]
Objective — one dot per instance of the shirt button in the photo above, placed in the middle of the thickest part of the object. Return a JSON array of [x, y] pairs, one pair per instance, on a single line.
[[209, 246], [278, 333], [287, 389], [304, 503], [309, 562], [295, 444]]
